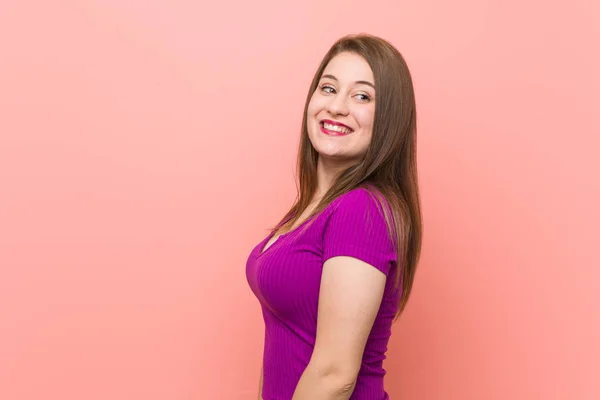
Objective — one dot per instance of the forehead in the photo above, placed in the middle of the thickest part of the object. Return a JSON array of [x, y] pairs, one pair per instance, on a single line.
[[349, 67]]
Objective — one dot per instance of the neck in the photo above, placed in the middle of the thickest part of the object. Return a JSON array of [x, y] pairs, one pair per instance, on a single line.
[[327, 171]]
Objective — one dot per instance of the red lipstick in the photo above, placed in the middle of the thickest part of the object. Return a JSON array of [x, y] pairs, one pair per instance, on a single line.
[[343, 132]]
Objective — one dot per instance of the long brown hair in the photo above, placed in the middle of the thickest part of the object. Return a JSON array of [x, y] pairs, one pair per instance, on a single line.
[[389, 165]]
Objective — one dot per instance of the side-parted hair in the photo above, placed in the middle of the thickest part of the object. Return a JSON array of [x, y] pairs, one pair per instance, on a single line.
[[389, 167]]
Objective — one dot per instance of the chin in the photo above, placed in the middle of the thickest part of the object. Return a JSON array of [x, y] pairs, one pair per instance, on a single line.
[[335, 154]]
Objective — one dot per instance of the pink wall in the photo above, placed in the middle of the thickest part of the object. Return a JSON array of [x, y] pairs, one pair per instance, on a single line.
[[146, 145]]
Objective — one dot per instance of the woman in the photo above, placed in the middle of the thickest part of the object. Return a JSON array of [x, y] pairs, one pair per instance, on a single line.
[[337, 270]]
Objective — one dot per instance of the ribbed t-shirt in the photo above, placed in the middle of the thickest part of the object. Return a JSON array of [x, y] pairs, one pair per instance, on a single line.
[[286, 276]]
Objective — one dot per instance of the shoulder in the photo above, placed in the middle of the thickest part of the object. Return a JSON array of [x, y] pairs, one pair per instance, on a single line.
[[358, 227], [362, 209], [362, 201], [358, 195]]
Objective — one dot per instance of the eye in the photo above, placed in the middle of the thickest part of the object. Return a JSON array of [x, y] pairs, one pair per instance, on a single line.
[[327, 89], [363, 97]]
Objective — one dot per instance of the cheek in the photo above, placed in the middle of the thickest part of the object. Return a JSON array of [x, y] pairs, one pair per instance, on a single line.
[[311, 106], [365, 117], [315, 105]]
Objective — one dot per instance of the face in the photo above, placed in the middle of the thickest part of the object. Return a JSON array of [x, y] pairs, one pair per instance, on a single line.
[[341, 111]]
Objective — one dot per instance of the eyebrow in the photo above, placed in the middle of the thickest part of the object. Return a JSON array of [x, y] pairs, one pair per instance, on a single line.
[[358, 82]]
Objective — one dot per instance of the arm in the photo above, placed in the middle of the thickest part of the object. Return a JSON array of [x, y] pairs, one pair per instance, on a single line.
[[260, 383], [349, 299]]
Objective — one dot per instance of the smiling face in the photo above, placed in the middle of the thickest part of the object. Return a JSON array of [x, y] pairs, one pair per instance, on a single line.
[[341, 111]]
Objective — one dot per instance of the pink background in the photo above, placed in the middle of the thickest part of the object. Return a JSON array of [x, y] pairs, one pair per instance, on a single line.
[[145, 147]]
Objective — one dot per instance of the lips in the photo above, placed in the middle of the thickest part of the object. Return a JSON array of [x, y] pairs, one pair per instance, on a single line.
[[334, 128]]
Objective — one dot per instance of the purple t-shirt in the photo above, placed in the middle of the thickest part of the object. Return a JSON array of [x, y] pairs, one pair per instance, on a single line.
[[286, 279]]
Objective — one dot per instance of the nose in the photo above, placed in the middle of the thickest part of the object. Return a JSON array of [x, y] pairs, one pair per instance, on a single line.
[[337, 105]]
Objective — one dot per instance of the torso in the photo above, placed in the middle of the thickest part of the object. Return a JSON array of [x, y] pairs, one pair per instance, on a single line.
[[284, 272]]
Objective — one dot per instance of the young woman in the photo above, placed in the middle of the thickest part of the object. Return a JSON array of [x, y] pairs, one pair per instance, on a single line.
[[337, 270]]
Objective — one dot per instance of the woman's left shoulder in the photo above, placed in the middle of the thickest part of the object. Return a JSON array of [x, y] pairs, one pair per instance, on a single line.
[[362, 199], [358, 227]]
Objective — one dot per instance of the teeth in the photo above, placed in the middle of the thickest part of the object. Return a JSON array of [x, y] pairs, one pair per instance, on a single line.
[[336, 128]]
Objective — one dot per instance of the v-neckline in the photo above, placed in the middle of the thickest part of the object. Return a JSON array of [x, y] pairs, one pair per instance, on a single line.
[[266, 246]]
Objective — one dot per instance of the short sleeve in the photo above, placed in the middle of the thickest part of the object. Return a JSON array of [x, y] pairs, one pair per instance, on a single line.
[[357, 228]]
